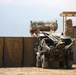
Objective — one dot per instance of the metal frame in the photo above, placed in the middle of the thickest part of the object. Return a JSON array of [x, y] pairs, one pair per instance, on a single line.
[[65, 15]]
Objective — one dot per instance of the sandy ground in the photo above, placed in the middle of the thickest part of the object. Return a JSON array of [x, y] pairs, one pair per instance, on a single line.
[[37, 71]]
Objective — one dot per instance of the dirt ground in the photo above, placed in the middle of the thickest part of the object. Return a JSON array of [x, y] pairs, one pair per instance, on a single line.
[[37, 71]]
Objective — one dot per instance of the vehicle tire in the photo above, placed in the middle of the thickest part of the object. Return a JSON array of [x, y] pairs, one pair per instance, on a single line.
[[44, 63], [61, 64], [69, 65], [38, 62]]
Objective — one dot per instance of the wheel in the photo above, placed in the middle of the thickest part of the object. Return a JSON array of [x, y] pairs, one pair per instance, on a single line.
[[69, 65], [43, 62], [38, 62], [61, 64]]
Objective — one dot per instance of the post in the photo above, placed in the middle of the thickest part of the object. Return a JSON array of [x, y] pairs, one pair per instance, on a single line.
[[63, 24]]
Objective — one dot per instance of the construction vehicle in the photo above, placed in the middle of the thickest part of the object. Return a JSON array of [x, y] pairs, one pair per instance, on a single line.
[[52, 47]]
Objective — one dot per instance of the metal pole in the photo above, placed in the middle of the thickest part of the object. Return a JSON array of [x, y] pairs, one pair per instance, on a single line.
[[63, 24]]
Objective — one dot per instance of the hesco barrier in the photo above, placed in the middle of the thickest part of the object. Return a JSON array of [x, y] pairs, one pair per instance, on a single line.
[[29, 54], [1, 51], [19, 51], [13, 51]]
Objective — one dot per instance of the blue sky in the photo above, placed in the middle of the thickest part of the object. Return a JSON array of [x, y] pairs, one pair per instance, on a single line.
[[15, 15]]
